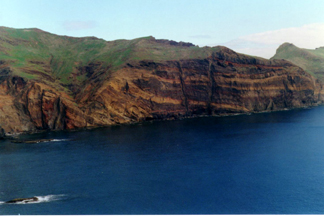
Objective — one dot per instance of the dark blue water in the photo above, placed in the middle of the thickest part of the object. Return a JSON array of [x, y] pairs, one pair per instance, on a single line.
[[266, 163]]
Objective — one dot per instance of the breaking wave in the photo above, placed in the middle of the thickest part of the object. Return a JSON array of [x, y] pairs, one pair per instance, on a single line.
[[58, 140], [40, 199], [50, 198]]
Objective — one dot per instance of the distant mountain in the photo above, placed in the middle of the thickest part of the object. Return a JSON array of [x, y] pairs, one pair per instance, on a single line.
[[51, 82], [310, 60]]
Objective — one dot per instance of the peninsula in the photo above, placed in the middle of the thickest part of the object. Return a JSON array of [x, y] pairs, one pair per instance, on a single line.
[[51, 82]]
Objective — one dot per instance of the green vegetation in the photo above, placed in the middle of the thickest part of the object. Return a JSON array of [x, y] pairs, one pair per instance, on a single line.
[[33, 52], [311, 61]]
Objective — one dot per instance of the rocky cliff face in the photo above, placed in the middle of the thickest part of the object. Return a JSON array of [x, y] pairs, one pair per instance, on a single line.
[[222, 83]]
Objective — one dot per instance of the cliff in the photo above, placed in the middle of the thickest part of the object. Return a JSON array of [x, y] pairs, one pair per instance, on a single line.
[[50, 82]]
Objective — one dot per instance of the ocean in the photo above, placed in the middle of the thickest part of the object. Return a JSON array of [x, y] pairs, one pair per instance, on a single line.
[[266, 163]]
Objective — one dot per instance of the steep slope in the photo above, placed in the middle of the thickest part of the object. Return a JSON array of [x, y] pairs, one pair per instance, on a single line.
[[50, 82], [310, 60]]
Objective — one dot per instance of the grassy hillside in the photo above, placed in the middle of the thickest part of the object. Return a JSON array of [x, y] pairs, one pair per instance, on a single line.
[[310, 60], [33, 53]]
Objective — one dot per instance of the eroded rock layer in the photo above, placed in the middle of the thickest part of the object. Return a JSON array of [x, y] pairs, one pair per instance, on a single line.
[[223, 83]]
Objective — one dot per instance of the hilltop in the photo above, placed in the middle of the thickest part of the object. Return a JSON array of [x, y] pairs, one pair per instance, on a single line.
[[51, 82], [36, 54], [310, 60]]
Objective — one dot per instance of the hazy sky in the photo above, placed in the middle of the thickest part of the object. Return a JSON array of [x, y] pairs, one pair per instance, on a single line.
[[255, 27]]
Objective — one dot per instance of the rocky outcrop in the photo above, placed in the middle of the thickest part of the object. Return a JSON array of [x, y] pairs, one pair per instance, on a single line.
[[30, 106], [2, 133], [31, 141], [223, 83], [22, 200]]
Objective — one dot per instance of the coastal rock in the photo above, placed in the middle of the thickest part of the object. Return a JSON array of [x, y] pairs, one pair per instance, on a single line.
[[223, 83], [2, 133], [209, 86], [139, 80], [32, 141], [22, 200]]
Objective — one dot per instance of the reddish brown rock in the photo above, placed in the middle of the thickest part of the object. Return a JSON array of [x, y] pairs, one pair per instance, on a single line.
[[223, 83]]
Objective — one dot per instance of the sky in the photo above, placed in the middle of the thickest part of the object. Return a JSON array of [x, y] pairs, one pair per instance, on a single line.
[[254, 27]]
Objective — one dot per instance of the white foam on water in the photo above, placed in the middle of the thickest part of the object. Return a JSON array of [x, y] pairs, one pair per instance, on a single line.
[[58, 140], [49, 198]]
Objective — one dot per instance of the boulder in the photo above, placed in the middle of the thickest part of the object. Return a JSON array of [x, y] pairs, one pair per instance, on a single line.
[[2, 133], [23, 200], [31, 141]]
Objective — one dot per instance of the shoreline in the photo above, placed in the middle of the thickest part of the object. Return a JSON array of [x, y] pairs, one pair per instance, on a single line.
[[14, 137]]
